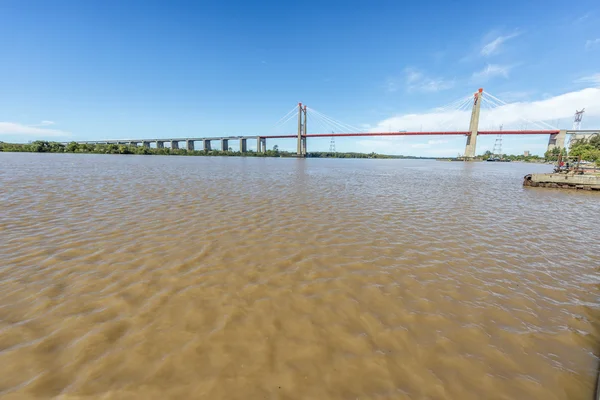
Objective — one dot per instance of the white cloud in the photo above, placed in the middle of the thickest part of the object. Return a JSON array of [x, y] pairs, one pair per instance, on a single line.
[[490, 71], [593, 79], [493, 47], [511, 116], [417, 81], [45, 123], [16, 129], [589, 44]]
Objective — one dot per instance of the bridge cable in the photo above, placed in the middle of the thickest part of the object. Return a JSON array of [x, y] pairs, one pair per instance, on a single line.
[[286, 121], [456, 111], [538, 124], [503, 103], [492, 104], [313, 118], [348, 126], [330, 122], [351, 127], [287, 114], [329, 125], [454, 105], [339, 126]]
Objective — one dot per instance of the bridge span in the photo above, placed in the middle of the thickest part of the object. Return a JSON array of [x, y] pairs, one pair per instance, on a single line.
[[557, 137]]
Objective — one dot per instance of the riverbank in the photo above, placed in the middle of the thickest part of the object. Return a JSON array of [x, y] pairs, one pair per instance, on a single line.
[[73, 147]]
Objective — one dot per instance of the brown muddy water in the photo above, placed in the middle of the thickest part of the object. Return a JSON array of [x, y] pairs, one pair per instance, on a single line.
[[230, 278]]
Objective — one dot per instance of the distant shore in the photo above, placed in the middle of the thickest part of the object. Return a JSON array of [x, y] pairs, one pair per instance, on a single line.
[[73, 147]]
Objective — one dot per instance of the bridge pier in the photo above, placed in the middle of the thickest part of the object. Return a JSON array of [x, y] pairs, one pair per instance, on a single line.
[[263, 145], [207, 145], [160, 144], [224, 145], [174, 144], [190, 145], [133, 144], [243, 146], [146, 144], [470, 150], [258, 145], [557, 140]]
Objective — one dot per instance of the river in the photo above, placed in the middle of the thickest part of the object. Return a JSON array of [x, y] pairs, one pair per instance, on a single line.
[[259, 278]]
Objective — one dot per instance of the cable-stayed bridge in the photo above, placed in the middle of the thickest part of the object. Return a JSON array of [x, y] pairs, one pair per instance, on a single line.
[[325, 126]]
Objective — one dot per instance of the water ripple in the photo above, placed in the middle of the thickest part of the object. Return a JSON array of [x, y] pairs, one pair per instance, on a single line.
[[177, 277]]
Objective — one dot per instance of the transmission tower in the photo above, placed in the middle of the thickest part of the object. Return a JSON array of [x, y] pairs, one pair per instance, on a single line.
[[332, 144], [497, 152], [577, 120], [576, 126]]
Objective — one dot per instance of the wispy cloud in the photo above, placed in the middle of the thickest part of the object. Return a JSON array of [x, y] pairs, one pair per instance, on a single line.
[[593, 79], [491, 71], [417, 81], [583, 18], [16, 129], [589, 44], [493, 47]]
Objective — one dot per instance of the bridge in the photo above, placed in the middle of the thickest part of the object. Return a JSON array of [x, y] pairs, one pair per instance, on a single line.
[[557, 137]]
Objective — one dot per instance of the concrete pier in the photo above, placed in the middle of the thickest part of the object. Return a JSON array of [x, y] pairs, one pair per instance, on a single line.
[[243, 145], [263, 145], [189, 145], [146, 144], [563, 181], [133, 144], [160, 144], [557, 140], [174, 144], [224, 145], [206, 145]]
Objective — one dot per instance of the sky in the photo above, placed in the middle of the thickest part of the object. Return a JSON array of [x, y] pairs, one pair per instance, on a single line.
[[91, 70]]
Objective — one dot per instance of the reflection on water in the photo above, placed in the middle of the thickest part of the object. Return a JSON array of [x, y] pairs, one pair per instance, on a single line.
[[232, 278]]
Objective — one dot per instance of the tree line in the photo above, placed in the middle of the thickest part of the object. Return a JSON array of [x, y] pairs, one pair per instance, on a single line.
[[521, 157], [589, 149], [40, 146]]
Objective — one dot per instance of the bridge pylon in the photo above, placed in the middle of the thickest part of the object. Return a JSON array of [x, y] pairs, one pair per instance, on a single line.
[[474, 125], [301, 151]]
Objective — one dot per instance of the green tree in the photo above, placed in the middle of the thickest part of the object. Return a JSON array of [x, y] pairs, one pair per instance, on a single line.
[[72, 147]]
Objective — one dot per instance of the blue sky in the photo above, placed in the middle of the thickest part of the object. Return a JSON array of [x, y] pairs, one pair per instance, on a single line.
[[77, 70]]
